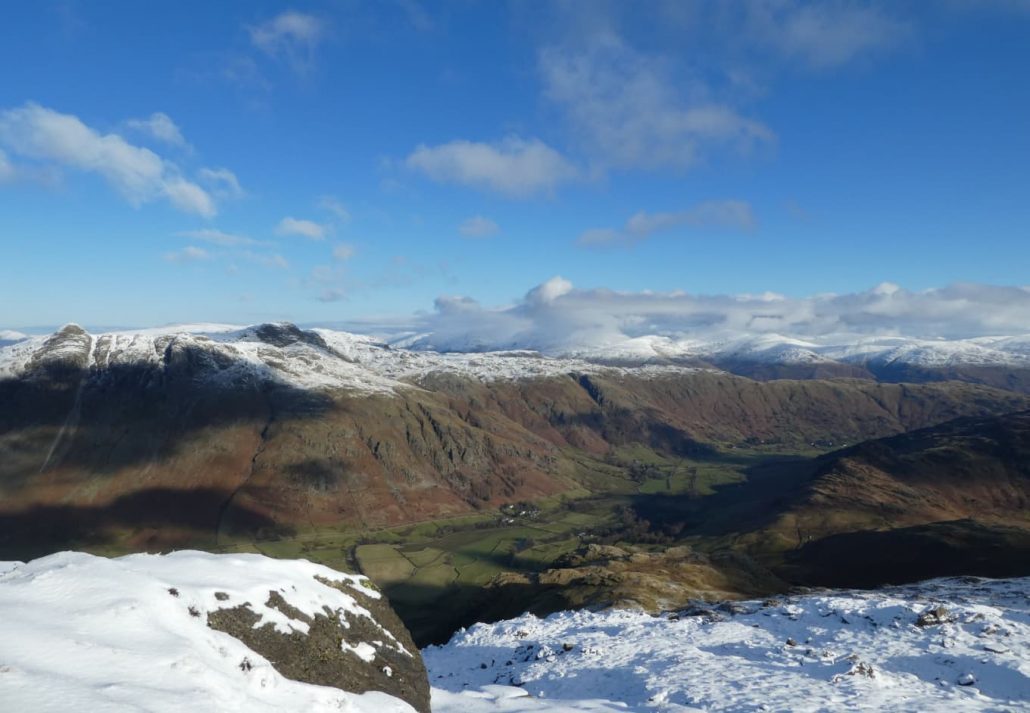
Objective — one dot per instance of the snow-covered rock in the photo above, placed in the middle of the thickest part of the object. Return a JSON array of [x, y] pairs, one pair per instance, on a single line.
[[829, 651], [137, 633]]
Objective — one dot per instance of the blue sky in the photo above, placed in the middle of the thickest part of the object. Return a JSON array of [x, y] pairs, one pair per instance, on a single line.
[[332, 161]]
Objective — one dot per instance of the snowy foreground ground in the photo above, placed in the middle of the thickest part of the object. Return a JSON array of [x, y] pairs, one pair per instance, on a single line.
[[832, 651], [82, 633], [87, 634]]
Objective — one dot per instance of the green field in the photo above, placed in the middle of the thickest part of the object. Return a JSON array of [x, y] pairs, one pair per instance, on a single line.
[[442, 566]]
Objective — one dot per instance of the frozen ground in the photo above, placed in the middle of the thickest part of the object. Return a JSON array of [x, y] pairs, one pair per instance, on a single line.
[[834, 651], [97, 635]]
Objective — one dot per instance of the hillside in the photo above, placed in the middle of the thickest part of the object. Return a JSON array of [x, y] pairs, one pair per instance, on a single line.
[[159, 439], [943, 500]]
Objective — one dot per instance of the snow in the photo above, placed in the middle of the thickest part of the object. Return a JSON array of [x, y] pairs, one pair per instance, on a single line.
[[351, 363], [359, 363], [840, 651], [79, 632], [9, 336]]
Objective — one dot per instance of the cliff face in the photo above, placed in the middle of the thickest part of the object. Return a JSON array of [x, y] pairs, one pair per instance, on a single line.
[[187, 446]]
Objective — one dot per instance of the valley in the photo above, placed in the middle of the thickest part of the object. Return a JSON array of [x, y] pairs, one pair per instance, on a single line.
[[475, 487]]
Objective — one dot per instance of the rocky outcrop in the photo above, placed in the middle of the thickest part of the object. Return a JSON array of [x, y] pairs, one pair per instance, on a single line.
[[198, 631], [370, 650]]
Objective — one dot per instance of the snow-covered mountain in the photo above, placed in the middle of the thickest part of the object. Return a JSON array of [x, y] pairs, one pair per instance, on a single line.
[[324, 358], [309, 359], [943, 645]]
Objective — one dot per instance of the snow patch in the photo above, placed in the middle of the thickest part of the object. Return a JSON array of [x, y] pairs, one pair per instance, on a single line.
[[839, 651]]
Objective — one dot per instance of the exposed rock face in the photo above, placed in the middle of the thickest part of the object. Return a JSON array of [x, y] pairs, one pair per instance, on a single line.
[[284, 334], [340, 649]]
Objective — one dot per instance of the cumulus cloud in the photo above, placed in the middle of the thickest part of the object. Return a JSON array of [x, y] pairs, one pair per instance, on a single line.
[[729, 214], [328, 281], [217, 237], [630, 112], [823, 35], [556, 317], [6, 168], [141, 176], [343, 252], [478, 227], [159, 126], [514, 166], [274, 261], [304, 228], [334, 206], [290, 36], [188, 254], [221, 181]]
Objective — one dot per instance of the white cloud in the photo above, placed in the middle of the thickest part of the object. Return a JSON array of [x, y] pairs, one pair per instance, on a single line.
[[189, 197], [343, 252], [514, 166], [822, 35], [331, 294], [217, 237], [291, 36], [629, 111], [728, 214], [556, 317], [334, 206], [272, 261], [161, 127], [187, 254], [328, 279], [222, 182], [478, 227], [138, 174], [6, 168], [304, 228]]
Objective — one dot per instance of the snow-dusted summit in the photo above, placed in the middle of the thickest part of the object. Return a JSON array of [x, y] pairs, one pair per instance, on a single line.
[[323, 358], [309, 359]]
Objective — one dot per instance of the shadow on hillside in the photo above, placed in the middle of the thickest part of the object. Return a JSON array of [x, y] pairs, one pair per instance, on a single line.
[[770, 488], [433, 613], [152, 520], [869, 558], [101, 421]]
